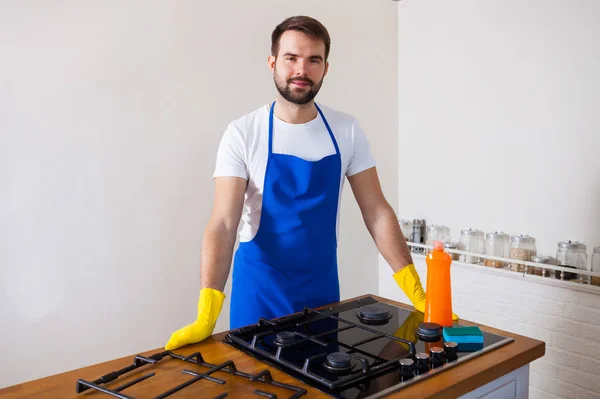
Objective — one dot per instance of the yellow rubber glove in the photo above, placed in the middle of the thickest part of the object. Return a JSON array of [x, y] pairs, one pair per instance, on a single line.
[[408, 280], [209, 308]]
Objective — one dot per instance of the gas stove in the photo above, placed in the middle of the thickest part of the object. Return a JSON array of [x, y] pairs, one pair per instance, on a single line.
[[359, 349]]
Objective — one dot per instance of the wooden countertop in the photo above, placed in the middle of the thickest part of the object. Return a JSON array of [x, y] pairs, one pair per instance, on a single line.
[[448, 384]]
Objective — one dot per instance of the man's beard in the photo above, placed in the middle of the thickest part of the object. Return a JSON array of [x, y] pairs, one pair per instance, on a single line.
[[293, 96]]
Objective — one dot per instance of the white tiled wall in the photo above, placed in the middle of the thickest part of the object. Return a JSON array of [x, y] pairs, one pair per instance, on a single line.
[[568, 321]]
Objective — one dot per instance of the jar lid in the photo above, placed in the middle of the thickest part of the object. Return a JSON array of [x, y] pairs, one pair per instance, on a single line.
[[471, 232], [568, 244], [497, 234], [522, 238], [540, 259], [419, 222]]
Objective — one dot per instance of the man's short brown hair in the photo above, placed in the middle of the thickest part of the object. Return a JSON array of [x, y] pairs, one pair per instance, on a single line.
[[306, 25]]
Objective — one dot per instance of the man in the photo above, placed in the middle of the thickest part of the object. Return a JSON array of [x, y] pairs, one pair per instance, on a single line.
[[281, 169]]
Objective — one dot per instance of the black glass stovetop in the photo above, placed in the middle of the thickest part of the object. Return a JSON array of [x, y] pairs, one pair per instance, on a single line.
[[353, 350]]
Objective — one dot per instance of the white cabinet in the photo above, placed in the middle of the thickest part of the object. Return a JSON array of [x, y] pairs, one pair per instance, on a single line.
[[514, 385]]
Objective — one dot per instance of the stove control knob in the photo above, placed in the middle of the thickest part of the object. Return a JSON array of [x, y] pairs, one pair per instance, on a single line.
[[451, 350], [407, 369], [422, 362], [437, 356]]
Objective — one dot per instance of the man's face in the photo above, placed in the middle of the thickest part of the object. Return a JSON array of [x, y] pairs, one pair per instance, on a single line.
[[299, 68]]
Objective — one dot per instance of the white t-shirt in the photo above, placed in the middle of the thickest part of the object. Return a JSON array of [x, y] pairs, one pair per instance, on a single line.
[[244, 150]]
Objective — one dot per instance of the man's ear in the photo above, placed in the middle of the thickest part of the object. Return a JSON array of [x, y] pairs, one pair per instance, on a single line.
[[326, 68], [271, 60]]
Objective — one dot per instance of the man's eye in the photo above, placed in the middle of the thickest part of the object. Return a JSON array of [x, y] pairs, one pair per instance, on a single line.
[[291, 58], [315, 61]]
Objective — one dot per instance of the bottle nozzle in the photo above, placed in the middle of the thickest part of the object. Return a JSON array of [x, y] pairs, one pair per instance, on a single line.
[[438, 245]]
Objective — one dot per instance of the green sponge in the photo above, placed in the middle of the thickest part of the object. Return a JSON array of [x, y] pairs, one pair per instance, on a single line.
[[467, 338]]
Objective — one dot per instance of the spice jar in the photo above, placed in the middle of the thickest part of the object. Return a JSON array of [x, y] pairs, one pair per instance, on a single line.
[[571, 254], [582, 263], [406, 227], [496, 244], [538, 270], [471, 241], [596, 266], [418, 234], [437, 233], [455, 256], [522, 247]]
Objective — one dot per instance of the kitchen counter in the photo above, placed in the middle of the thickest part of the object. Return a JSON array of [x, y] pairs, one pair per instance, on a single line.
[[460, 380]]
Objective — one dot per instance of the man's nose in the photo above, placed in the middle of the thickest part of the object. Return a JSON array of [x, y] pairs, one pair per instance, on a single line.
[[301, 68]]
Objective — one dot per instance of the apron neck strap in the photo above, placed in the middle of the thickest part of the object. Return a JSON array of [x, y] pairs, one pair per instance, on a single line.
[[271, 128]]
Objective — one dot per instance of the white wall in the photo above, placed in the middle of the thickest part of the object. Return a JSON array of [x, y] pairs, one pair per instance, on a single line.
[[498, 117], [499, 129], [110, 115]]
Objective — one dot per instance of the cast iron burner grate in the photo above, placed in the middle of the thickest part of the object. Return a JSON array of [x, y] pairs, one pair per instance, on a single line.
[[195, 358]]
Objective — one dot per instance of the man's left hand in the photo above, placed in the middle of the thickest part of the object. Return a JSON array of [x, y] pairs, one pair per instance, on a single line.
[[409, 282]]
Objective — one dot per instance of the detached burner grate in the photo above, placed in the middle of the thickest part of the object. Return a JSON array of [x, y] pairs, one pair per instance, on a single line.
[[196, 359]]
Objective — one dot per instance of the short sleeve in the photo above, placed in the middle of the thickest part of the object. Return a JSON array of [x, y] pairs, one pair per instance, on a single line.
[[361, 158], [231, 155]]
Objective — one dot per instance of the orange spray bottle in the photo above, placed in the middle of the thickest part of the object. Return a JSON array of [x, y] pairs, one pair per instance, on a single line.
[[438, 303]]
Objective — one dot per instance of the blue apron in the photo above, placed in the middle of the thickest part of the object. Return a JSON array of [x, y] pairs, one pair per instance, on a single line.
[[291, 263]]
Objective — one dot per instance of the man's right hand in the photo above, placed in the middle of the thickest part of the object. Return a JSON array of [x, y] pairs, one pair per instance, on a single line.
[[209, 308]]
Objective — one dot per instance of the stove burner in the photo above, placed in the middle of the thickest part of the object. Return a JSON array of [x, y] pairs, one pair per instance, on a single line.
[[373, 314], [429, 332], [284, 338], [339, 363]]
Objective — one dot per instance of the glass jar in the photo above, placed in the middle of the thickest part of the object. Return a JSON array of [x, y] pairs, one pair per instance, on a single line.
[[596, 266], [406, 226], [455, 256], [471, 241], [522, 247], [582, 263], [571, 254], [437, 233], [539, 270], [496, 244]]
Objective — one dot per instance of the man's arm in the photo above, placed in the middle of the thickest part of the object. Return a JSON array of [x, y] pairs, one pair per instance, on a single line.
[[380, 219], [220, 232], [215, 262], [385, 230]]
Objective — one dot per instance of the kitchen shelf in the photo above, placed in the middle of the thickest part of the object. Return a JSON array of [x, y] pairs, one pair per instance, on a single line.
[[505, 272]]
